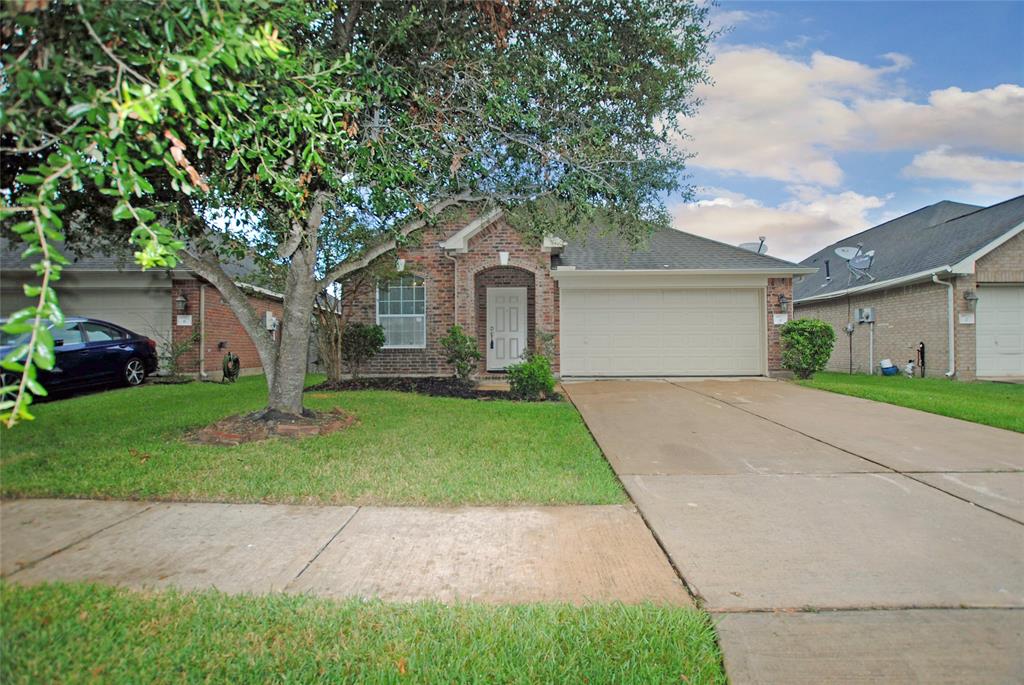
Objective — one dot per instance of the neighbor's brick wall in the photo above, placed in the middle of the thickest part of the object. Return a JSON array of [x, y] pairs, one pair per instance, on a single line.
[[1005, 264], [904, 317], [776, 287], [221, 325], [459, 280]]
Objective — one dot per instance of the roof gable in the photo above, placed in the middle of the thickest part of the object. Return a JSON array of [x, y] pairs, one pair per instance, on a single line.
[[933, 237]]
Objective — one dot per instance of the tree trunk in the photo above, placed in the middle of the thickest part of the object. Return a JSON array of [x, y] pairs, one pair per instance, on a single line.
[[289, 375]]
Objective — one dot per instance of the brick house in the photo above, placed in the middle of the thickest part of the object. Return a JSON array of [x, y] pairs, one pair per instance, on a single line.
[[681, 306], [165, 305], [949, 275]]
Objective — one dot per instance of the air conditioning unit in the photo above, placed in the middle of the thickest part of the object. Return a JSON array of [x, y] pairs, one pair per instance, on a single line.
[[864, 314]]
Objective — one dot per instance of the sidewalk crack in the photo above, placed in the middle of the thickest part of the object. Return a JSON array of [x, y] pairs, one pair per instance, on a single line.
[[323, 547]]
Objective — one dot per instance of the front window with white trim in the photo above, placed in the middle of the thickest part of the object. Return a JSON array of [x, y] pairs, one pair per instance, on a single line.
[[402, 312]]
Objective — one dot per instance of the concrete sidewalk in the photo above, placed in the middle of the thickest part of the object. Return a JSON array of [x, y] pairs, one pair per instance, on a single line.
[[834, 539], [574, 554]]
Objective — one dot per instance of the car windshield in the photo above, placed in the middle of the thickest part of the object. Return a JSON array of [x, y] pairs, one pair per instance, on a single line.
[[11, 339]]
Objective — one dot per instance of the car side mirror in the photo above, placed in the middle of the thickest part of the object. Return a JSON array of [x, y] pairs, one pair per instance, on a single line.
[[58, 342]]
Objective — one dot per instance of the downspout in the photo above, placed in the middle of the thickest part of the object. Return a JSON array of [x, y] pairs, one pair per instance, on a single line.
[[202, 332], [949, 318]]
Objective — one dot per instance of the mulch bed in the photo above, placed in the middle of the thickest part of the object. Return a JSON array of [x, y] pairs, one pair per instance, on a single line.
[[235, 430], [434, 386]]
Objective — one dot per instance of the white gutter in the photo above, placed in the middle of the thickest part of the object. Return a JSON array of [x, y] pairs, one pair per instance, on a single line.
[[949, 315]]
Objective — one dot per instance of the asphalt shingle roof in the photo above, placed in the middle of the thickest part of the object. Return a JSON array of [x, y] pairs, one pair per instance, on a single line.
[[10, 260], [932, 237], [666, 249]]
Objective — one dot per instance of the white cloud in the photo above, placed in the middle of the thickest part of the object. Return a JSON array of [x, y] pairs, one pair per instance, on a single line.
[[943, 162], [794, 229], [784, 118], [985, 179]]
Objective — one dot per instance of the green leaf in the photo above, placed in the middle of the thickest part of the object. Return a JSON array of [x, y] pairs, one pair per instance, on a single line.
[[78, 109]]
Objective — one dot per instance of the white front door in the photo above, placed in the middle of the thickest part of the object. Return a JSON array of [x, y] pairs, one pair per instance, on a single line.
[[506, 327]]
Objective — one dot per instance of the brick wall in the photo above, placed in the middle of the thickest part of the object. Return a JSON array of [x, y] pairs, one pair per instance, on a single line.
[[453, 285], [1005, 264], [221, 326], [776, 287], [905, 316]]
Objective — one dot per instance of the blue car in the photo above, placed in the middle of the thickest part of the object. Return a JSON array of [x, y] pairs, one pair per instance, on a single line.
[[90, 353]]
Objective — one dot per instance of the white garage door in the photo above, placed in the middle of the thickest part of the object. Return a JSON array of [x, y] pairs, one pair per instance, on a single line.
[[669, 332], [1000, 324]]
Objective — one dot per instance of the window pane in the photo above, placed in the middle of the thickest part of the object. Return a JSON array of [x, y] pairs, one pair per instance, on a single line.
[[98, 333], [71, 334]]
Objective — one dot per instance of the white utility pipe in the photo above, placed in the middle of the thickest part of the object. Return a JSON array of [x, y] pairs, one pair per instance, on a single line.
[[949, 318], [202, 332], [871, 348]]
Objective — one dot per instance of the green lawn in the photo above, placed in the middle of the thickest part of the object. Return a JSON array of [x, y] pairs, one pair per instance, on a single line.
[[406, 449], [994, 404], [79, 633]]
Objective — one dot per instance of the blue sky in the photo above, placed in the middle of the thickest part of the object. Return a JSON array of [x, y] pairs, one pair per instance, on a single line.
[[826, 118]]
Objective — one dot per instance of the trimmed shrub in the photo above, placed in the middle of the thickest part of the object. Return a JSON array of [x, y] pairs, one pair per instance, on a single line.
[[360, 342], [806, 346], [462, 352], [531, 379]]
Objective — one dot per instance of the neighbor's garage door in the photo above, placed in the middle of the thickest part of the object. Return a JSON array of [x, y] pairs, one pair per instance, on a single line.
[[1000, 331], [669, 332]]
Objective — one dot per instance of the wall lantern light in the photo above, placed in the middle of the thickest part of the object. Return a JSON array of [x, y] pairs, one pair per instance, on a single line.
[[181, 303], [972, 299], [503, 258], [783, 300]]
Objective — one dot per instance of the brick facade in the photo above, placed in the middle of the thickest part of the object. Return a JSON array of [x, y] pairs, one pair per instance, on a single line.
[[455, 293], [776, 287], [221, 326], [908, 315]]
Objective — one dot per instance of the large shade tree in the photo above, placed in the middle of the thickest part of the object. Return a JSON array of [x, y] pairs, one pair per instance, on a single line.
[[335, 130]]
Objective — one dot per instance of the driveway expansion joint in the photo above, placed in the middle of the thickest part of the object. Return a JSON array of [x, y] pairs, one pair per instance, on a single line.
[[888, 469]]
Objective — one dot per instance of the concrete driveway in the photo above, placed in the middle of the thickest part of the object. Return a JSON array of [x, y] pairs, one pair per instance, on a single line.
[[834, 538]]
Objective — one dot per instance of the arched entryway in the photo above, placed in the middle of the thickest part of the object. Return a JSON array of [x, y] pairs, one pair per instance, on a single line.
[[504, 330]]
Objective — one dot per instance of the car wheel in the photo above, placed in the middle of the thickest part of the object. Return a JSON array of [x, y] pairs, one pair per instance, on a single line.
[[134, 372]]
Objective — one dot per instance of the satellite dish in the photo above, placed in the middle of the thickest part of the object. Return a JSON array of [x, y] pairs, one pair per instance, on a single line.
[[862, 261], [760, 247], [848, 252]]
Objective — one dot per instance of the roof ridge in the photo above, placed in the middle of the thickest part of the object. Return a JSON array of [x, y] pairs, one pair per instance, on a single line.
[[730, 246], [977, 208]]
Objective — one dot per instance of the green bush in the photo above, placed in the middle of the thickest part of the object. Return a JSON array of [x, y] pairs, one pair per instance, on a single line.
[[531, 379], [806, 346], [360, 342], [462, 352]]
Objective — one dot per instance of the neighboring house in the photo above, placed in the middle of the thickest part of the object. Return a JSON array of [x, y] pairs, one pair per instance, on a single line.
[[682, 306], [166, 305], [949, 275]]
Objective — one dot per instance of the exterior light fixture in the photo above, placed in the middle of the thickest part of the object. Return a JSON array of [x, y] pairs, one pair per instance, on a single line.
[[399, 265], [783, 300], [181, 303], [972, 299], [503, 258]]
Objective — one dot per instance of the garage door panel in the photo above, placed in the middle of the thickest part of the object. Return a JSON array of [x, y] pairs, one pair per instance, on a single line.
[[1000, 331], [662, 332]]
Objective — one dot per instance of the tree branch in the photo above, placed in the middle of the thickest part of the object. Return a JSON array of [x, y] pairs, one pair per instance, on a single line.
[[364, 260], [239, 303], [110, 53]]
